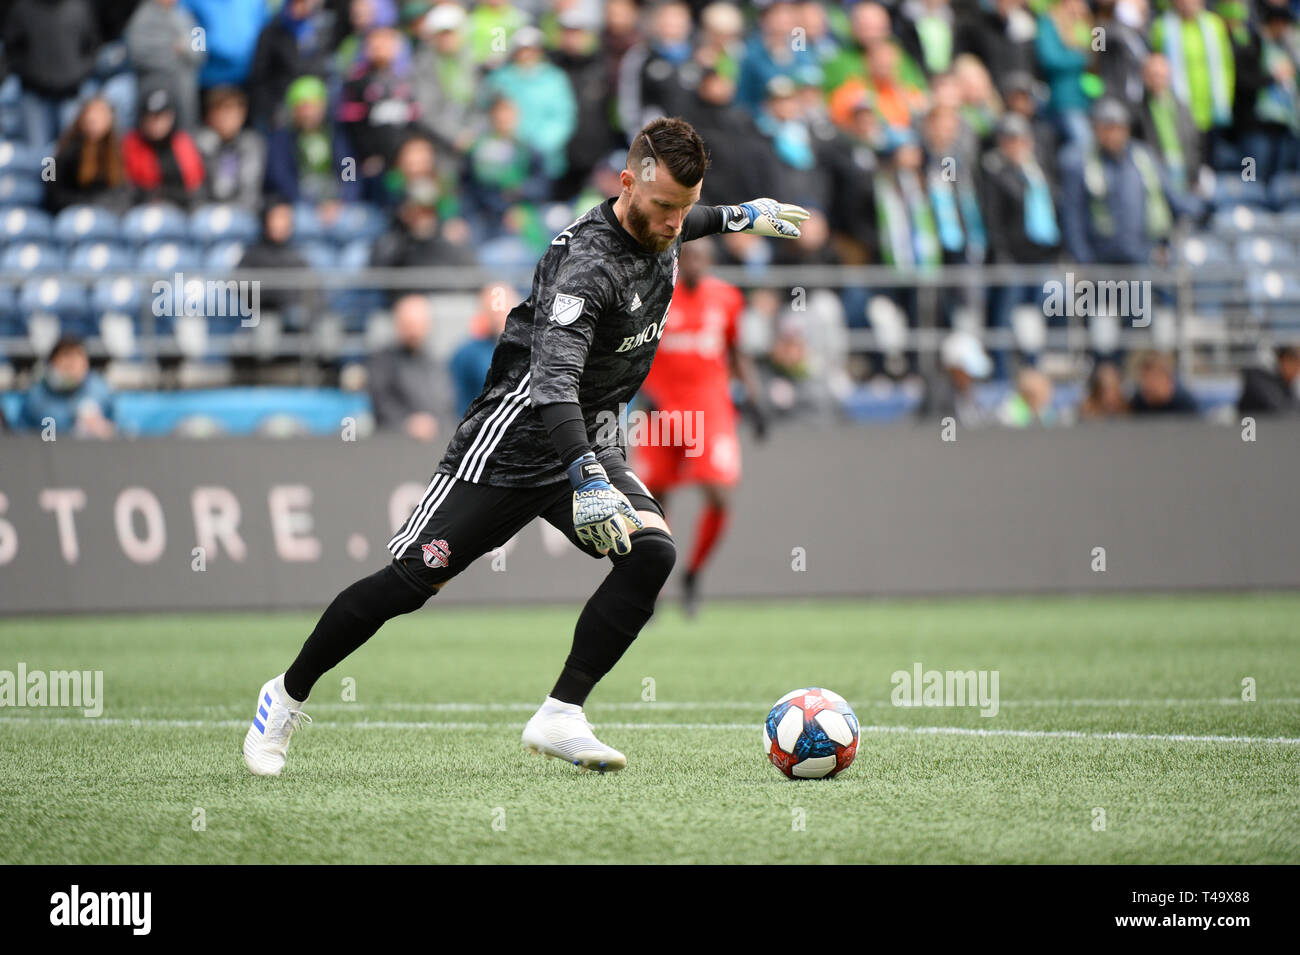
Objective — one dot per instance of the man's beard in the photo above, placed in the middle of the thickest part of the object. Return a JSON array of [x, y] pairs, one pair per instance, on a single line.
[[638, 223]]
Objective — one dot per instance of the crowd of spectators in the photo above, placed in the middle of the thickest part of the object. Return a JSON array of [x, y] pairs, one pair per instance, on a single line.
[[918, 133]]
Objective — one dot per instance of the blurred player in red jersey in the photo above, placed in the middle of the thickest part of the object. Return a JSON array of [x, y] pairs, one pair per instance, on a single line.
[[692, 374]]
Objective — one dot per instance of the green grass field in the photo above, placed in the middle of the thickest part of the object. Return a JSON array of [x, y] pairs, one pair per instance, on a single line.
[[426, 765]]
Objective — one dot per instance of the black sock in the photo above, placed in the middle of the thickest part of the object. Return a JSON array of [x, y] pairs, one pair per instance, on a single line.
[[615, 614], [348, 622]]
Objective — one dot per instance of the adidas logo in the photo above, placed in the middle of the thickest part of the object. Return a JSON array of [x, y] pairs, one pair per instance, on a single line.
[[636, 302]]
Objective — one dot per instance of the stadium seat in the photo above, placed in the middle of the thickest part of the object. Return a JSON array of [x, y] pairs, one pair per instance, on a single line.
[[36, 257], [307, 226], [155, 222], [87, 224], [357, 220], [1266, 251], [354, 255], [20, 189], [1231, 190], [19, 158], [223, 256], [1211, 295], [117, 332], [319, 255], [1030, 328], [1275, 298], [168, 257], [100, 257], [1234, 220], [214, 223], [53, 296], [121, 295], [25, 225], [1284, 190], [1197, 250]]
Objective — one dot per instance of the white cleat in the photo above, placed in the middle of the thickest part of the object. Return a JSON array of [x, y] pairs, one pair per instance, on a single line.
[[278, 715], [561, 730]]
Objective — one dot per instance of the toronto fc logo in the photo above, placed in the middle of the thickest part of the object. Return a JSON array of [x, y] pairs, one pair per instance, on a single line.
[[674, 269], [437, 554]]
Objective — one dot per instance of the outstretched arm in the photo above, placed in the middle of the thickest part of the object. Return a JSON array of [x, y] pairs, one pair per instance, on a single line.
[[761, 216]]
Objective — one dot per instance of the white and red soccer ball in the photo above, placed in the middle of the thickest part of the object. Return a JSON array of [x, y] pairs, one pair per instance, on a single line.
[[811, 734]]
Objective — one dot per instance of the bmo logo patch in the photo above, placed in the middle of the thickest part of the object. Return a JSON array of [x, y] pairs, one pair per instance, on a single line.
[[652, 332]]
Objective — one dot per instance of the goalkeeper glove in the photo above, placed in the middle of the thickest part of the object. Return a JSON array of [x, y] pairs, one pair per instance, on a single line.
[[768, 217], [601, 512]]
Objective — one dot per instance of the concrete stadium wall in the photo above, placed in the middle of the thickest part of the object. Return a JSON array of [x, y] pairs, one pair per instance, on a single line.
[[888, 511]]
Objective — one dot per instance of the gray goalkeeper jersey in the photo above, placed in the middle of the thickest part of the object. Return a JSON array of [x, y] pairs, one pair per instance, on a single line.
[[588, 333]]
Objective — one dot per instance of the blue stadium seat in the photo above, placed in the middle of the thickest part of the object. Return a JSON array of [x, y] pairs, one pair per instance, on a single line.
[[20, 159], [155, 222], [12, 324], [223, 256], [25, 225], [355, 304], [87, 224], [1234, 220], [307, 226], [112, 59], [1213, 294], [357, 220], [1197, 250], [8, 301], [20, 189], [213, 223], [35, 257], [100, 257], [1231, 190], [53, 296], [1284, 190], [168, 257], [1266, 251], [1275, 298], [117, 295], [319, 255], [354, 255]]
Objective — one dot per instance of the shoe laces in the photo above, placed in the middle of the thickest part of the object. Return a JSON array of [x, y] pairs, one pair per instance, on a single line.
[[293, 720]]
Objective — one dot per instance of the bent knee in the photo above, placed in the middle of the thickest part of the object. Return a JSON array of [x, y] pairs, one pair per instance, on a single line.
[[653, 552]]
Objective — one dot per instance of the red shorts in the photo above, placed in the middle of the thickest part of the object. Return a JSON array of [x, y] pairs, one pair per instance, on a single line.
[[704, 449]]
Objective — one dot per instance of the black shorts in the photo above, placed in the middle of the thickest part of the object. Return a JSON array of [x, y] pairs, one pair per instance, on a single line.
[[457, 522]]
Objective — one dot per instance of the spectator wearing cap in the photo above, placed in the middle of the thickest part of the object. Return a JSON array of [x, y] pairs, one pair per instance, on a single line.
[[1064, 49], [69, 396], [953, 393], [1158, 390], [1020, 91], [161, 45], [234, 157], [1272, 391], [1119, 68], [781, 121], [363, 16], [547, 108], [1019, 216], [770, 53], [89, 163], [950, 172], [718, 119], [1116, 205], [296, 43], [421, 238], [274, 250], [1167, 127], [580, 58], [161, 161], [851, 162], [377, 106], [492, 25], [306, 159], [231, 29], [1202, 67], [1268, 94], [446, 77], [656, 75]]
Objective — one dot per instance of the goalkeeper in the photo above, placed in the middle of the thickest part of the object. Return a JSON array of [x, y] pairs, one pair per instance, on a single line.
[[579, 345]]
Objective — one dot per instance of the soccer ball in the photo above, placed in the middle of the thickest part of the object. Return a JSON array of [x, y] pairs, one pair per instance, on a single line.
[[811, 734]]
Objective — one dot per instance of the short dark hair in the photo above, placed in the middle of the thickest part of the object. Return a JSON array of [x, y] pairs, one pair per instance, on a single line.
[[673, 142], [66, 342]]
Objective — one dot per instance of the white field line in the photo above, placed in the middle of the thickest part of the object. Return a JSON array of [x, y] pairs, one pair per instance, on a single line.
[[733, 727]]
